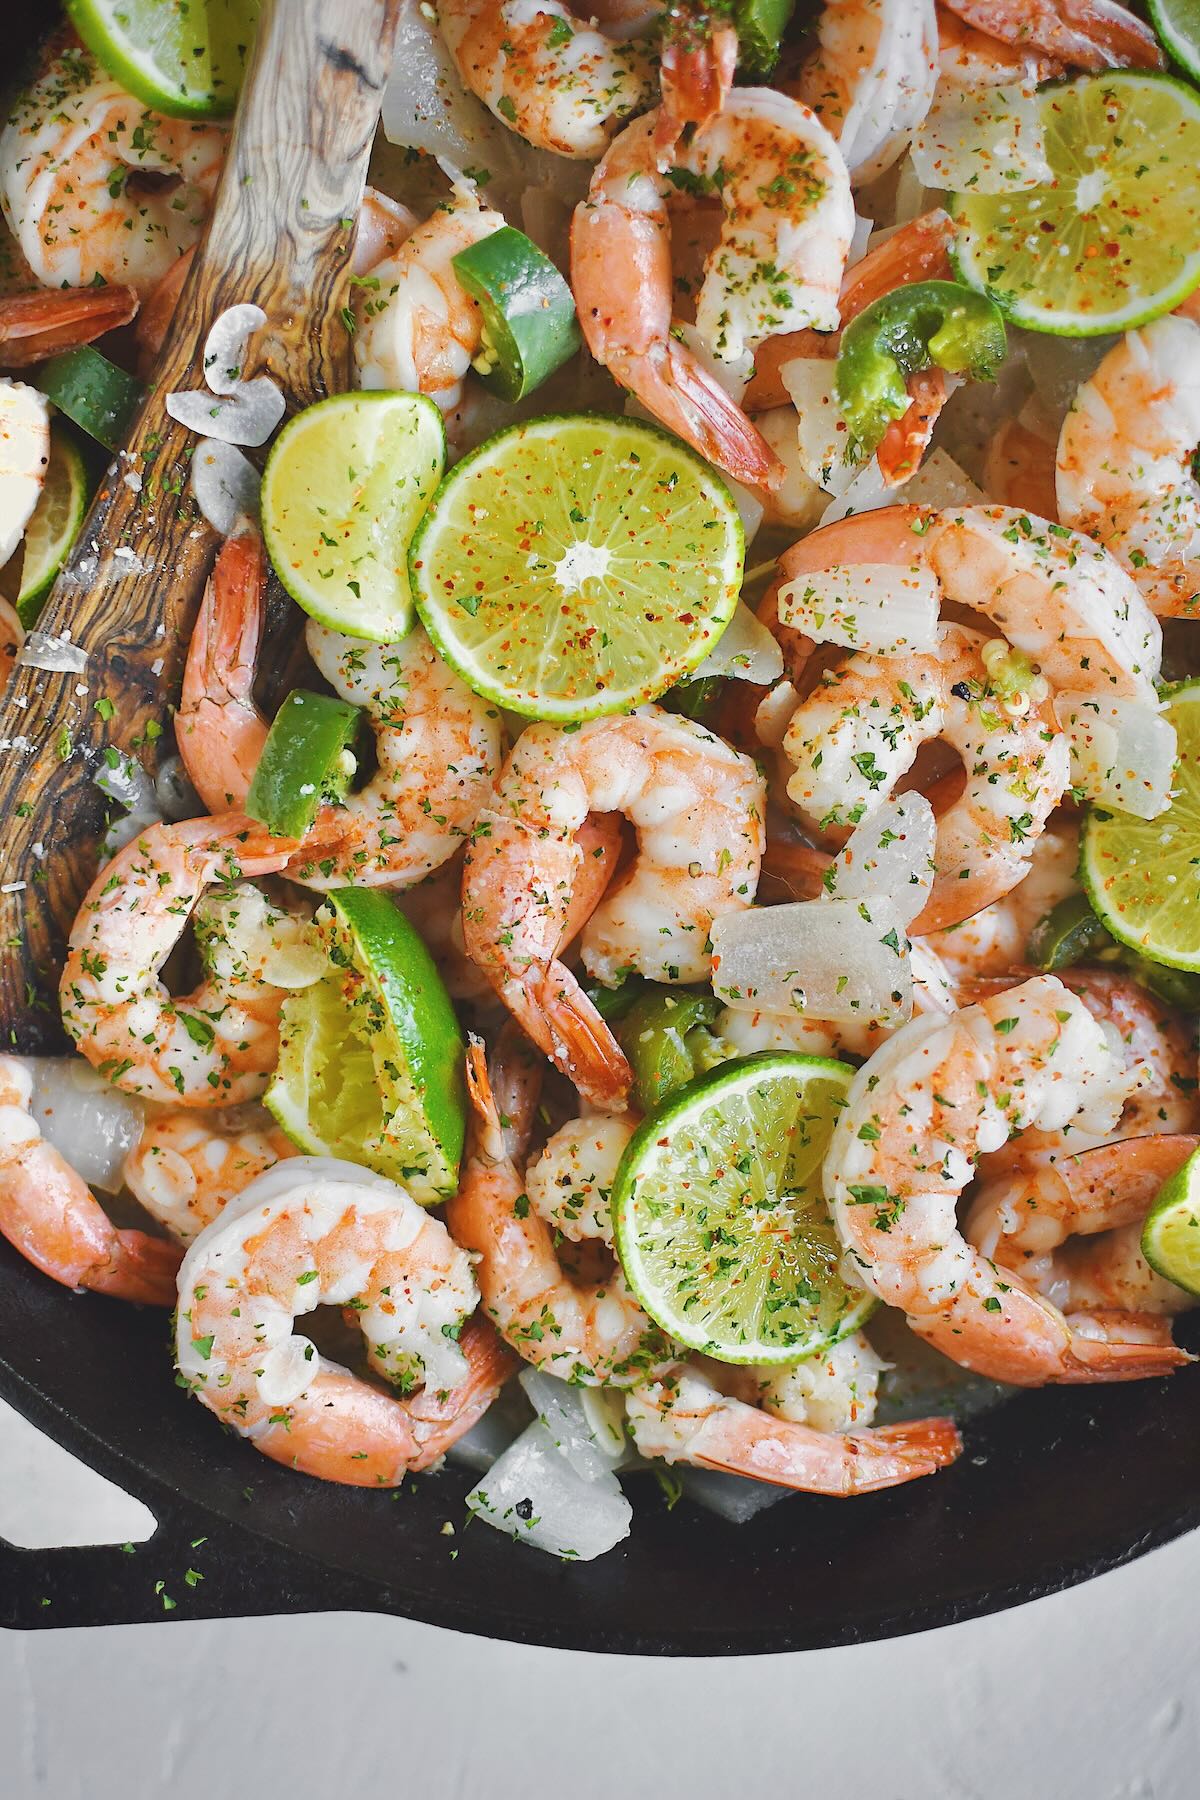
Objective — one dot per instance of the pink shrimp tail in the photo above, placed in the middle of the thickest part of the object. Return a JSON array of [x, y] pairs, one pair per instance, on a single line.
[[440, 1418], [565, 1026], [671, 383], [814, 1462], [906, 439], [218, 729], [1085, 34], [35, 326], [1141, 1348], [158, 311], [143, 1270], [696, 74]]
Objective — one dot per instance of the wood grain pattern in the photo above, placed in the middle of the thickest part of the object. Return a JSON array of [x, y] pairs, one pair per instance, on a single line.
[[280, 234]]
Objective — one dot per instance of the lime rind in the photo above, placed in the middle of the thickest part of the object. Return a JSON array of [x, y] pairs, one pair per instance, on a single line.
[[721, 1221], [153, 50], [1171, 1233], [1045, 217], [639, 619], [54, 525], [1183, 46], [1142, 876]]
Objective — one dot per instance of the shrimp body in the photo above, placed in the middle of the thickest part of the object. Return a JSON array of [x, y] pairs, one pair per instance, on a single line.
[[50, 1215], [570, 1181], [697, 809], [319, 1232], [217, 1045], [187, 1166], [418, 328], [872, 77], [219, 730], [1124, 465], [24, 457], [994, 941], [72, 159], [1084, 34]]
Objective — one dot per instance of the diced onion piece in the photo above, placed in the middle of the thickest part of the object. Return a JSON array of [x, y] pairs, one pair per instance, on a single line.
[[561, 1409], [533, 1493], [988, 140], [426, 107], [822, 435], [774, 715], [1122, 751], [841, 960], [860, 239], [225, 485], [25, 430], [225, 346], [889, 853], [504, 1421], [866, 493], [122, 779], [941, 482], [89, 1122], [798, 501], [890, 610], [41, 650], [746, 652], [248, 416]]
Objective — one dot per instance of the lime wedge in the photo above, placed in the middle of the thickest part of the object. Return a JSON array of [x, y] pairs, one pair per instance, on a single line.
[[1177, 23], [52, 529], [345, 486], [1171, 1234], [1142, 876], [721, 1221], [371, 1056], [1116, 240], [576, 566], [186, 59]]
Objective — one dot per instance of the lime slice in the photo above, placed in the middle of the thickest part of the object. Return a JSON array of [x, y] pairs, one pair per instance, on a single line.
[[345, 486], [1171, 1234], [721, 1221], [1177, 23], [186, 59], [1142, 876], [1116, 240], [371, 1056], [53, 527], [576, 566]]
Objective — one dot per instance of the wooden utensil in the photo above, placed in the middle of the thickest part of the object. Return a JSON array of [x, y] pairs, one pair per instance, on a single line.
[[280, 234]]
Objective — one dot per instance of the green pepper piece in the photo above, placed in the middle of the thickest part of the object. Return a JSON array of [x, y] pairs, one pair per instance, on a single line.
[[612, 1003], [308, 758], [1069, 933], [693, 699], [529, 324], [916, 327], [760, 25], [655, 1034], [1174, 987], [94, 393]]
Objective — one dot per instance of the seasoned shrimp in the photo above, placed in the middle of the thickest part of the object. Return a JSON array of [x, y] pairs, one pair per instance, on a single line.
[[320, 1232], [188, 1166], [684, 1416], [787, 223], [217, 1045], [1072, 1229], [968, 57], [219, 730], [994, 941], [97, 188], [570, 1180], [872, 77], [35, 326], [1124, 469], [588, 1333], [24, 456], [51, 1216], [697, 809], [418, 328], [1084, 34], [919, 1113]]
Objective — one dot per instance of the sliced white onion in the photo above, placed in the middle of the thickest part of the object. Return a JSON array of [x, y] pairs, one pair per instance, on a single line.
[[866, 492], [534, 1494], [89, 1122], [841, 960], [987, 140], [747, 651], [563, 1410], [225, 485], [25, 432], [890, 610], [225, 346], [774, 715], [1122, 752], [941, 482], [247, 417], [889, 853], [41, 650], [860, 239], [798, 501], [822, 437]]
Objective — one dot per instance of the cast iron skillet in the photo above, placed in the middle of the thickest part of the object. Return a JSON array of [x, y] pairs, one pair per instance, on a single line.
[[1054, 1487]]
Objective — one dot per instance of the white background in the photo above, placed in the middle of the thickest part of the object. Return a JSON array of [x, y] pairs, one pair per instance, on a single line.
[[1091, 1695]]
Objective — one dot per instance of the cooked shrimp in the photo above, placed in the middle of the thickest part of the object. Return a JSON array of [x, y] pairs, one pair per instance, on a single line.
[[35, 326], [12, 636], [219, 730], [683, 1416], [787, 224], [1084, 34], [1072, 1229], [697, 809], [51, 1216], [994, 941], [188, 1166], [919, 1113], [24, 458], [217, 1045], [97, 188], [570, 1180], [872, 77], [588, 1333], [1018, 470], [971, 58], [418, 328], [1125, 461], [696, 70], [319, 1232]]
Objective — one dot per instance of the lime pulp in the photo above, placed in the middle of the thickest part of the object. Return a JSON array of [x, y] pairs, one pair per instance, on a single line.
[[1171, 1234], [51, 530]]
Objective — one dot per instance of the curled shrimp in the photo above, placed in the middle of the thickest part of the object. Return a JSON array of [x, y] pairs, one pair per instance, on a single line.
[[994, 941], [188, 1166], [217, 1045], [872, 76], [787, 224], [311, 1232], [97, 188], [588, 1333], [697, 809], [1083, 34], [50, 1215], [1124, 469], [685, 1416], [918, 1115]]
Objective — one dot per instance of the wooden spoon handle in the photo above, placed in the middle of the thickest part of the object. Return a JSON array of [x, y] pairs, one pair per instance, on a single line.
[[280, 234]]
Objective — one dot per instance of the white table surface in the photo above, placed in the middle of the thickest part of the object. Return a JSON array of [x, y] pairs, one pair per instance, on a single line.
[[1090, 1695]]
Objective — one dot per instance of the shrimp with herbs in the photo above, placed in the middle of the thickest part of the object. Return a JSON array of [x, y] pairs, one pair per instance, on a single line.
[[871, 78], [187, 1166], [1083, 34]]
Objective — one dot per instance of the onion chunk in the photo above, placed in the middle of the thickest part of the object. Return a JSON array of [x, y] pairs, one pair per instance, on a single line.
[[845, 961], [535, 1495], [1122, 751]]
